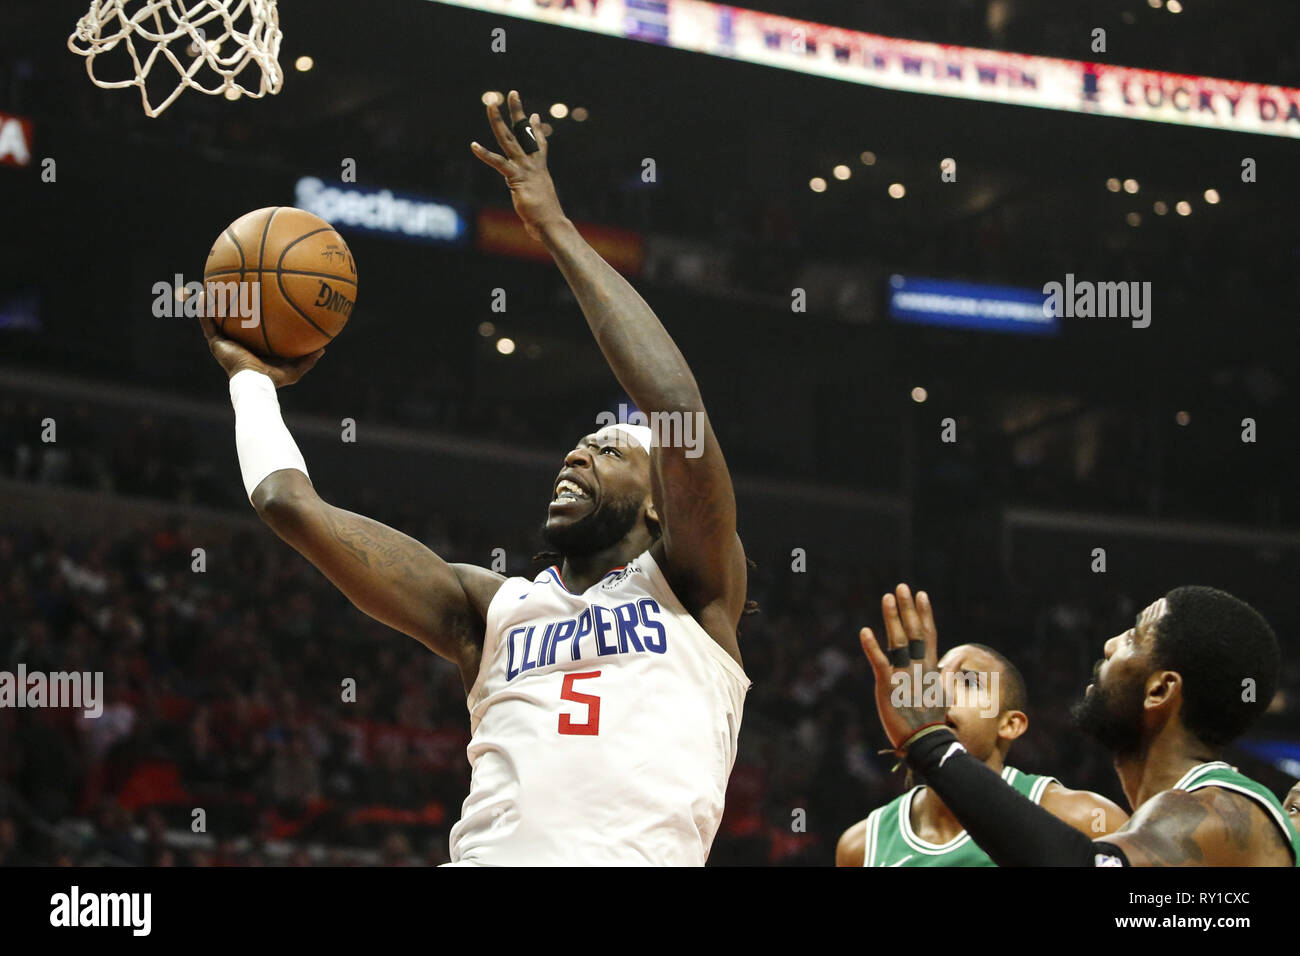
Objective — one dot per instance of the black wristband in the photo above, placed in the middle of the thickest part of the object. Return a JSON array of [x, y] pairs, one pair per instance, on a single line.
[[898, 657], [916, 650], [919, 753]]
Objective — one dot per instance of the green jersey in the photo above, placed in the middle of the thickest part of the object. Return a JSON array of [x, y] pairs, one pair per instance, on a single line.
[[891, 841], [1220, 774]]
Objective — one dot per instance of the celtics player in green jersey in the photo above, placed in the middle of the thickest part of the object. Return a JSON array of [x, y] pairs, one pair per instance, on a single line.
[[917, 829], [1292, 806], [1195, 671]]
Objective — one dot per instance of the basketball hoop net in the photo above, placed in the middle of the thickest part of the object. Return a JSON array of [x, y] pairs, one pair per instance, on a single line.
[[208, 42]]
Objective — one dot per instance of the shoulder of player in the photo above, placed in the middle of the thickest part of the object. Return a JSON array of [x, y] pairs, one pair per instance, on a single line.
[[480, 586], [1242, 821], [718, 612], [683, 576], [1210, 826], [1079, 808], [686, 583], [851, 850]]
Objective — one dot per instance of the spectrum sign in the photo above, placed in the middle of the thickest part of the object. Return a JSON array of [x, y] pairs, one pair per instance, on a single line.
[[383, 212]]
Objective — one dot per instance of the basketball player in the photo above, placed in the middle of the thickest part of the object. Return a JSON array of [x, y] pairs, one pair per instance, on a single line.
[[916, 829], [605, 694], [1194, 672], [1292, 806]]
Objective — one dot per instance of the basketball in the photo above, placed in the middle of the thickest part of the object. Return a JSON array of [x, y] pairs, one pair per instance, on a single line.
[[280, 281]]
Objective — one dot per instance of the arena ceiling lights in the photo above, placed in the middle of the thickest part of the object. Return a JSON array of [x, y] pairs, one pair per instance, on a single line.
[[914, 67]]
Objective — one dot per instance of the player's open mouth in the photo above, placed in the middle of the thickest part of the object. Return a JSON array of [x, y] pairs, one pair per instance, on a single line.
[[567, 490]]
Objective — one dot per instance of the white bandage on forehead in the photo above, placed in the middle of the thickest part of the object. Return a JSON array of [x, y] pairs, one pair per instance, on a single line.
[[637, 433]]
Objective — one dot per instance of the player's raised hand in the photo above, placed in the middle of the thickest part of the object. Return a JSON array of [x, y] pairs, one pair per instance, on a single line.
[[233, 357], [900, 670], [523, 165]]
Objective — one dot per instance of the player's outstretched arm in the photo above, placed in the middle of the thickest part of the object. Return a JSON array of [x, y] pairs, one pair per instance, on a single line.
[[691, 486], [384, 573]]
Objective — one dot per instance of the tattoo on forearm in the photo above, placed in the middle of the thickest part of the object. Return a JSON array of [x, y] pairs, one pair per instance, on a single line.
[[370, 549]]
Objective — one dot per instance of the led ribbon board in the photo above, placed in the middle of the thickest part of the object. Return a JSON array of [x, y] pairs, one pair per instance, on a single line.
[[988, 75], [969, 305]]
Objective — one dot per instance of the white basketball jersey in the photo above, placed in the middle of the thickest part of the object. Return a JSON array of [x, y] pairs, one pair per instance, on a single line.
[[603, 727]]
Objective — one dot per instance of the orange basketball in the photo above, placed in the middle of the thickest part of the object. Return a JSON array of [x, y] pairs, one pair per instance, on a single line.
[[280, 281]]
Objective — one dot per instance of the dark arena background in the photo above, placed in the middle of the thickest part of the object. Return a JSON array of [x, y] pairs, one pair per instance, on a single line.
[[1043, 481]]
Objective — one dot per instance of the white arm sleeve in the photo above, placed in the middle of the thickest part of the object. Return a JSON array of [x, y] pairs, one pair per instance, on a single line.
[[261, 438]]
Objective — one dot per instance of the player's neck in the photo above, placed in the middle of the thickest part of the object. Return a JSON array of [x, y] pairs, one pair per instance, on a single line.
[[931, 819], [580, 573], [1161, 764], [930, 815]]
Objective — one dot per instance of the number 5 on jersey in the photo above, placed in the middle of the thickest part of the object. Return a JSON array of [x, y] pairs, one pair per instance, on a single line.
[[592, 727]]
